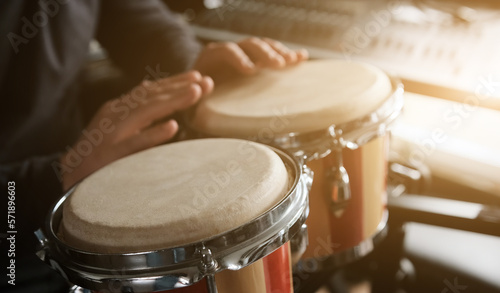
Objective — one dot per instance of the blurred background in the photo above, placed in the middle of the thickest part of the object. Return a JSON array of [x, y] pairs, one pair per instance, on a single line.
[[444, 181]]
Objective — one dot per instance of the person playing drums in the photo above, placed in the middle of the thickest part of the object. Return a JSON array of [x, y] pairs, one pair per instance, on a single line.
[[44, 149]]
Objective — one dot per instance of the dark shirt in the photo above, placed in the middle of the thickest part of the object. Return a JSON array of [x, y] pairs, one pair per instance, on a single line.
[[43, 48]]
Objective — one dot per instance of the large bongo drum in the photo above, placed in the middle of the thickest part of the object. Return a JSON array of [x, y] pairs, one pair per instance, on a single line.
[[208, 215], [333, 113]]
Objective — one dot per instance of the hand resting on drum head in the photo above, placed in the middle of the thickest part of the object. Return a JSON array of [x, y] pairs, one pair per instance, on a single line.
[[129, 124], [223, 60]]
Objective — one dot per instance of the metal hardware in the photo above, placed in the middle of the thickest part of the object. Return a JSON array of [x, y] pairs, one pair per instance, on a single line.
[[208, 266], [404, 178], [42, 243], [78, 289], [211, 286], [208, 263], [308, 176], [42, 240], [338, 191]]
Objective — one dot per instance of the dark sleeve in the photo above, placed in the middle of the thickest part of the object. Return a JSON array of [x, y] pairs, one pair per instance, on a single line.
[[144, 37], [36, 186]]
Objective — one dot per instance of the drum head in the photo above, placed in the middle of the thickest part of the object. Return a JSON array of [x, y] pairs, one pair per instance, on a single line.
[[308, 97], [173, 195]]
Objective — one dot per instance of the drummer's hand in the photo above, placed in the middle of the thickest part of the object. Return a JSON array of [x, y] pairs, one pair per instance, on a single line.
[[222, 60], [132, 123]]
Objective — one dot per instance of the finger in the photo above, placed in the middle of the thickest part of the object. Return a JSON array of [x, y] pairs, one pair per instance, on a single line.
[[262, 53], [159, 107], [206, 84], [147, 89], [176, 101], [168, 88], [289, 55], [172, 82], [233, 55], [192, 75], [302, 55], [148, 138]]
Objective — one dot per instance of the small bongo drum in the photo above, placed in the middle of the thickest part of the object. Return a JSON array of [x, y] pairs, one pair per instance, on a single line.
[[208, 215], [334, 114]]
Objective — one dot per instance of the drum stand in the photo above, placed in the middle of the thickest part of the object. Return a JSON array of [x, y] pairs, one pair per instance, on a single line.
[[388, 275]]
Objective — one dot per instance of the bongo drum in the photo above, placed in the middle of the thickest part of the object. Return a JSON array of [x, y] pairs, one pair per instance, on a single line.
[[333, 113], [208, 215]]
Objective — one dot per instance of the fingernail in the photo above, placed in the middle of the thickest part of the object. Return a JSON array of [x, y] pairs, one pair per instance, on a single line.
[[281, 61], [197, 89], [209, 82], [304, 53], [170, 124]]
